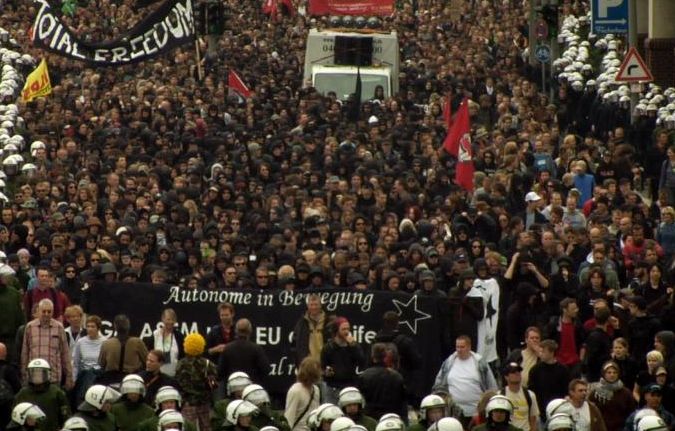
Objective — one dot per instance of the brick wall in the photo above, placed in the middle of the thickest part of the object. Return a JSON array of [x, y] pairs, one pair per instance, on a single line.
[[660, 58]]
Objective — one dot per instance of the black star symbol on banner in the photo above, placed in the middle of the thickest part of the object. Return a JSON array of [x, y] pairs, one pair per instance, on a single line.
[[409, 314], [490, 310]]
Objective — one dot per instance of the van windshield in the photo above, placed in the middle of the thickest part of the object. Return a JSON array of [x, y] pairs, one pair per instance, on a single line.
[[344, 84]]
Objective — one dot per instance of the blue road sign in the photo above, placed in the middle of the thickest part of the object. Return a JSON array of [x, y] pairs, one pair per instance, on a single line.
[[542, 53], [609, 16]]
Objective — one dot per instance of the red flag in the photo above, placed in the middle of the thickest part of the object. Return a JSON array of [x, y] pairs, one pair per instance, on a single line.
[[458, 144], [270, 8], [236, 84]]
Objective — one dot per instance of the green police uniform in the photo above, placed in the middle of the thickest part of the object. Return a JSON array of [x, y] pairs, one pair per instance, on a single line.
[[151, 423], [218, 416], [269, 417], [128, 415], [98, 420], [365, 421], [51, 399]]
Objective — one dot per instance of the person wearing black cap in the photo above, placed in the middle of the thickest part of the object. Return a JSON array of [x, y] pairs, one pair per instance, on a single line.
[[526, 410], [653, 399]]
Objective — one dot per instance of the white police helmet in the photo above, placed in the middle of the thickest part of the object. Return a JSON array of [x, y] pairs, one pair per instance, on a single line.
[[652, 423], [499, 402], [75, 423], [237, 381], [168, 420], [24, 411], [559, 405], [98, 395], [133, 384], [38, 371], [255, 394], [446, 424], [341, 424], [167, 393], [238, 408], [328, 412], [560, 422], [431, 402], [350, 395]]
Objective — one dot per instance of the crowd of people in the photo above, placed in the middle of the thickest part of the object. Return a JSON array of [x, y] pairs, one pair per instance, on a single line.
[[155, 173]]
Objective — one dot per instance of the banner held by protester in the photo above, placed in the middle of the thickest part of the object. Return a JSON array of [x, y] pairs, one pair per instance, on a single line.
[[169, 27], [274, 314]]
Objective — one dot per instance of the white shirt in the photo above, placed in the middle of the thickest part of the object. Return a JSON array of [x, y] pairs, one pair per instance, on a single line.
[[521, 412], [582, 417], [167, 344], [464, 385]]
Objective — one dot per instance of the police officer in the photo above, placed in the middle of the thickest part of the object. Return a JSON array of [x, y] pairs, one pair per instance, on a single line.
[[167, 398], [257, 395], [560, 422], [131, 409], [652, 423], [170, 420], [27, 416], [432, 408], [498, 414], [239, 415], [390, 422], [96, 407], [236, 382], [326, 414], [75, 423], [446, 424], [49, 397], [352, 404]]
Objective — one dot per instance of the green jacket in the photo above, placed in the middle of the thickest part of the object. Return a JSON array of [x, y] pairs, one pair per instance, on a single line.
[[150, 424], [104, 422], [128, 415], [218, 413], [193, 375], [366, 421], [269, 417], [52, 401], [417, 427]]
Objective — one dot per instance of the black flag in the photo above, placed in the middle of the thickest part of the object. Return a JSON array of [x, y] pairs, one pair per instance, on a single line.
[[356, 100]]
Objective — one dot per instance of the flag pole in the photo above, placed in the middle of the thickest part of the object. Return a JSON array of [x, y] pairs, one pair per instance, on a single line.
[[200, 72]]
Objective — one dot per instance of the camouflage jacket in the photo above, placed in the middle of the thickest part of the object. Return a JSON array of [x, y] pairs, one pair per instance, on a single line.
[[196, 377]]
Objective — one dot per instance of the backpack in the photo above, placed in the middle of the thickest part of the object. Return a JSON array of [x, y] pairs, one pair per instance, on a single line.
[[6, 390], [528, 398]]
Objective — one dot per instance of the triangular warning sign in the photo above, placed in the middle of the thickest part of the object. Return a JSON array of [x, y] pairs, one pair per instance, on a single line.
[[633, 68]]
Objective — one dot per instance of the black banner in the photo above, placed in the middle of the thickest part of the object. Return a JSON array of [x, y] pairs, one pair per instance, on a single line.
[[274, 314], [170, 26]]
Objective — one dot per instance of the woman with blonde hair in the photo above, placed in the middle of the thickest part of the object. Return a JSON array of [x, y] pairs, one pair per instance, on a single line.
[[654, 361], [304, 395]]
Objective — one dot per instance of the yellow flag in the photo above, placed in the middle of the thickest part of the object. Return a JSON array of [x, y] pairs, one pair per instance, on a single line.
[[37, 83]]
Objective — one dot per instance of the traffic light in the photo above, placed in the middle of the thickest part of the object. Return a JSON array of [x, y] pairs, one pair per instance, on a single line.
[[211, 20]]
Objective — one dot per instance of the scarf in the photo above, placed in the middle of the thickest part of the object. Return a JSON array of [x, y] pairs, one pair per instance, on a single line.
[[604, 391]]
